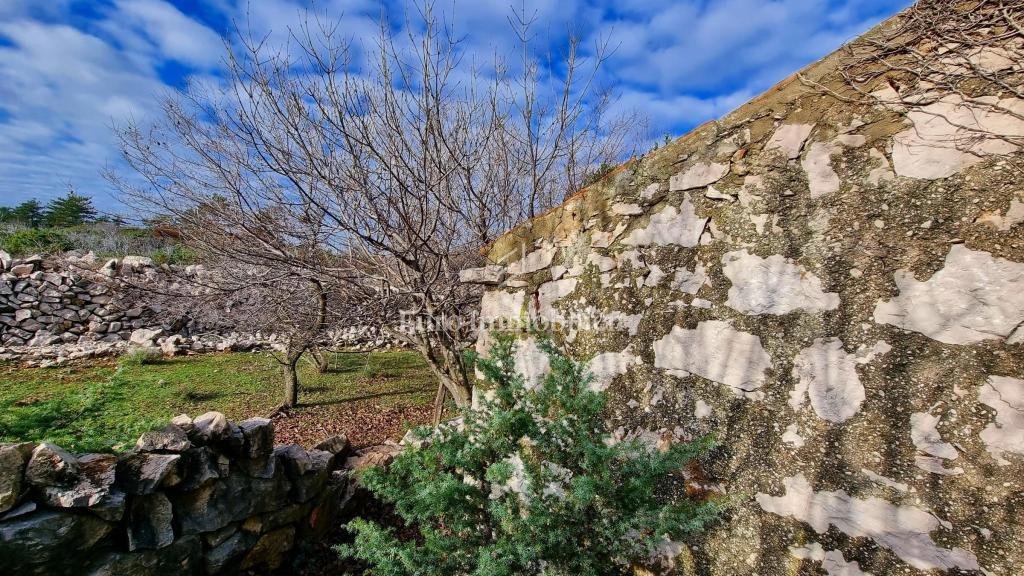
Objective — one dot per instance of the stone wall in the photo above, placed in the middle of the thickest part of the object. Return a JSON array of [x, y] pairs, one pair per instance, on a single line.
[[73, 306], [836, 292], [203, 496]]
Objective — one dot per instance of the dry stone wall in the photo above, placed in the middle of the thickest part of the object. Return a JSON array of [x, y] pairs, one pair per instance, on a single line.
[[72, 307], [203, 496], [836, 292]]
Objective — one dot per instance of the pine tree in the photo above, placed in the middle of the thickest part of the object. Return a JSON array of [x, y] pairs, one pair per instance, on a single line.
[[529, 484], [70, 210], [29, 213]]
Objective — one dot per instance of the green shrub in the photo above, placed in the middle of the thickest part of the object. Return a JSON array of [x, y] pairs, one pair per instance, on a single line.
[[176, 254], [35, 241], [530, 484]]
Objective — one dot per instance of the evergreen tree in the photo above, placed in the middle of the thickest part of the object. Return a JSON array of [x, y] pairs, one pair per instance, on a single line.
[[529, 484], [70, 210], [29, 213]]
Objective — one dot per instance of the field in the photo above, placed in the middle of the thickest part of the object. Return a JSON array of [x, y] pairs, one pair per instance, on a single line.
[[105, 406]]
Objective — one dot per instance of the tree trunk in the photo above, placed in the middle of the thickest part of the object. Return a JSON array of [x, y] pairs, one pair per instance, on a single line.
[[439, 403], [319, 359], [291, 379]]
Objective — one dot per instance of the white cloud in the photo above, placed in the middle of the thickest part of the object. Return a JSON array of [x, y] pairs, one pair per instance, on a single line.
[[176, 36]]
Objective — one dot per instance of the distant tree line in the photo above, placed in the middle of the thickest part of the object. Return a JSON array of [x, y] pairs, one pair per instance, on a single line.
[[71, 209]]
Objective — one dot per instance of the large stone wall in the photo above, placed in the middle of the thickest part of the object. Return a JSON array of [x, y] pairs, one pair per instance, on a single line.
[[836, 292], [71, 307], [203, 496]]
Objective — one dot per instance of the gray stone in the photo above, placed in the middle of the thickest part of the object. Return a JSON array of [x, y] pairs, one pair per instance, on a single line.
[[232, 499], [95, 478], [170, 438], [149, 522], [697, 176], [337, 444], [12, 466], [111, 507], [259, 437], [137, 262], [49, 542], [270, 551], [21, 270], [312, 483], [487, 275], [198, 466], [182, 557], [215, 538], [295, 459], [232, 548], [141, 472], [50, 465], [5, 261], [209, 428], [19, 510], [183, 421], [145, 336]]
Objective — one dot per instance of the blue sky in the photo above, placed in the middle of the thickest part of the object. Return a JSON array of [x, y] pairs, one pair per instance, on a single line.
[[72, 69]]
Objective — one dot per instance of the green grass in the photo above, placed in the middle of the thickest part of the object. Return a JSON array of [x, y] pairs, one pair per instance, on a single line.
[[104, 407]]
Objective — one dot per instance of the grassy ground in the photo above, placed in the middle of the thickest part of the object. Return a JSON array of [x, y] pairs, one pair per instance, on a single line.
[[105, 406]]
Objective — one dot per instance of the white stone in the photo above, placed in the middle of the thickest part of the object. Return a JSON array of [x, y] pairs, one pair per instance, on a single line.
[[145, 336], [773, 285], [851, 140], [698, 176], [1006, 433], [817, 163], [1014, 215], [884, 481], [944, 138], [533, 261], [701, 303], [714, 194], [136, 262], [832, 561], [702, 410], [680, 226], [655, 276], [906, 530], [974, 297], [606, 366], [690, 282], [924, 433], [828, 374], [759, 221], [650, 191], [936, 466], [623, 209], [882, 172], [603, 263], [792, 436], [551, 292], [789, 138], [531, 362], [499, 304], [483, 275], [716, 351]]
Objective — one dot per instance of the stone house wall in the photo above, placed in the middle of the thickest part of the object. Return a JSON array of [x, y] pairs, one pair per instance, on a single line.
[[203, 496], [836, 292]]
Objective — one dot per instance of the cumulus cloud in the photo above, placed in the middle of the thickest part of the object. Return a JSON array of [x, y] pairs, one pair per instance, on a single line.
[[71, 69]]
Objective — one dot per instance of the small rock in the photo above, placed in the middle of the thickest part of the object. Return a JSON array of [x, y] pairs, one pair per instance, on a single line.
[[170, 438], [144, 336], [22, 270], [140, 473], [487, 275], [149, 522], [12, 466], [269, 552], [295, 459], [259, 437], [49, 542], [184, 422], [210, 427], [95, 477], [50, 465], [336, 444]]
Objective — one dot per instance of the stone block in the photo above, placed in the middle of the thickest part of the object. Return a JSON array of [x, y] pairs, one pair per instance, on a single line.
[[49, 542], [51, 465], [149, 522], [141, 472]]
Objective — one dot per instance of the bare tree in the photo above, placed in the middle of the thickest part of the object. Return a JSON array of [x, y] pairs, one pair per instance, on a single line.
[[398, 169], [965, 54]]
